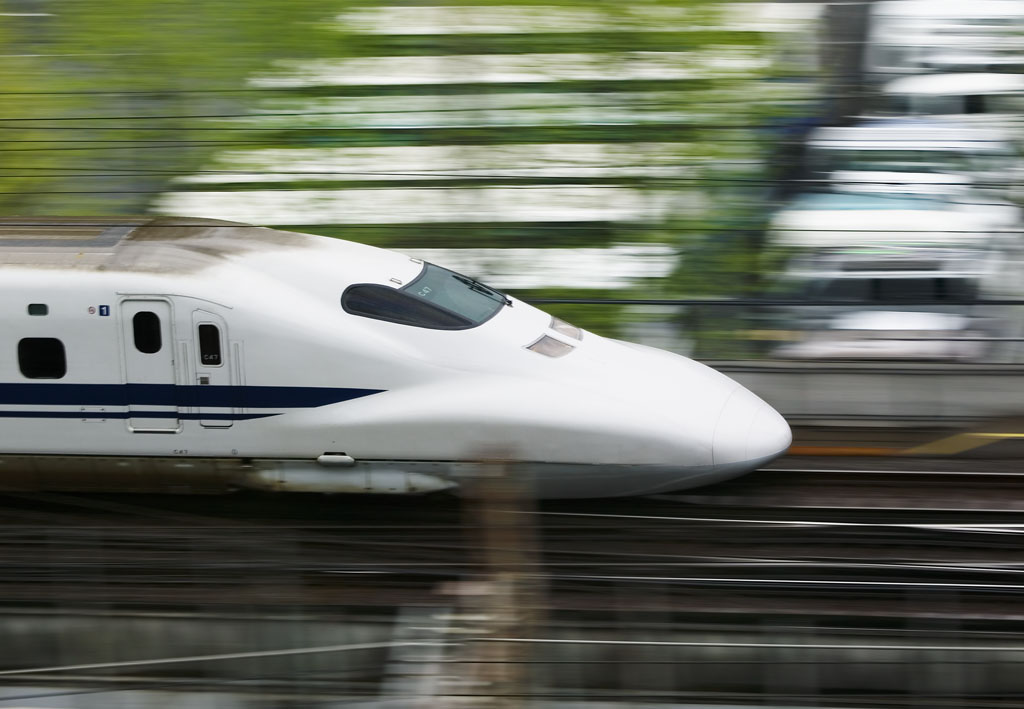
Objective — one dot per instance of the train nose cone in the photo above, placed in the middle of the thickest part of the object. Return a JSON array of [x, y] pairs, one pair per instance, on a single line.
[[749, 432]]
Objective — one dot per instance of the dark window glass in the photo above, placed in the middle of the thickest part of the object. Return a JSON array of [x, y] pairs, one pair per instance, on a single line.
[[903, 289], [42, 358], [385, 303], [38, 309], [974, 104], [888, 289], [926, 289], [209, 345], [146, 326], [459, 294], [841, 289], [955, 289]]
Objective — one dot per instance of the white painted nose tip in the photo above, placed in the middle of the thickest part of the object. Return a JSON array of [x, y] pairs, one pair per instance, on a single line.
[[770, 435], [749, 430]]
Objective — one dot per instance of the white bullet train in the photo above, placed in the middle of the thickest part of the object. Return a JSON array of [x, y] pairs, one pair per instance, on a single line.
[[195, 355]]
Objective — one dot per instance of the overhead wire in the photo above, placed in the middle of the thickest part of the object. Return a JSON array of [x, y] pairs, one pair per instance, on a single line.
[[319, 90], [435, 180], [625, 104]]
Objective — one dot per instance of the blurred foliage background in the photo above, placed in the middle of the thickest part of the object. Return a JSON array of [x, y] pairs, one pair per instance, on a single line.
[[594, 149]]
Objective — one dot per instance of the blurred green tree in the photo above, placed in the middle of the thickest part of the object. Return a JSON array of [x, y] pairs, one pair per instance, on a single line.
[[105, 102], [102, 99]]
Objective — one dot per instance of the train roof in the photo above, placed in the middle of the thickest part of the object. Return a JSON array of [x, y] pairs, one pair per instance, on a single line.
[[165, 244], [168, 245], [964, 83], [910, 134]]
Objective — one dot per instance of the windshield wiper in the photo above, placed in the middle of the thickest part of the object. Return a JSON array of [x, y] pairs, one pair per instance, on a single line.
[[479, 287]]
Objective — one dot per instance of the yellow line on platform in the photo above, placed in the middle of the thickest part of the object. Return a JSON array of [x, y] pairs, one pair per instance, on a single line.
[[960, 443], [951, 445], [843, 450]]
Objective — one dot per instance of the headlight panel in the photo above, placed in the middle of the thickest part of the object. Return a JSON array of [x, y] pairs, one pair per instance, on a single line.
[[550, 347], [562, 327]]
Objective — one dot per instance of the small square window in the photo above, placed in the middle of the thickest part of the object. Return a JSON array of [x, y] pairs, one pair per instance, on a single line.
[[209, 345], [38, 309], [42, 358], [146, 329]]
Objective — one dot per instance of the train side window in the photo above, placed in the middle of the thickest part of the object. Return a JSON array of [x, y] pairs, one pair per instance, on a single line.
[[378, 302], [146, 328], [209, 345], [38, 309], [42, 358]]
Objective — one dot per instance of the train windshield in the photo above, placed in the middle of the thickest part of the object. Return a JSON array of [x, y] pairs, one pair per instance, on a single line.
[[438, 299], [456, 293]]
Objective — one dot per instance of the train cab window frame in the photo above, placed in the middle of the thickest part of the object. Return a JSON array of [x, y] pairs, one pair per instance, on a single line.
[[146, 332], [42, 358], [209, 346], [378, 302], [437, 299]]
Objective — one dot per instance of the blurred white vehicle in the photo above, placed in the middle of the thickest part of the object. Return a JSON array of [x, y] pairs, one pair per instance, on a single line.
[[891, 335], [989, 98], [894, 303], [915, 36], [915, 156], [817, 220]]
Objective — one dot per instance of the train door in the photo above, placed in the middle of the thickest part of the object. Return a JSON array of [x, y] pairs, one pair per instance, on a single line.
[[148, 346], [217, 395]]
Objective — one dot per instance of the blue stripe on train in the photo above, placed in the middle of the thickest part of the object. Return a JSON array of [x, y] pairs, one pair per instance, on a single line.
[[130, 414], [256, 397]]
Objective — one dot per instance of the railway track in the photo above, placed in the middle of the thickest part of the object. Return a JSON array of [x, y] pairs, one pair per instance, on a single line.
[[713, 545], [731, 574], [911, 485]]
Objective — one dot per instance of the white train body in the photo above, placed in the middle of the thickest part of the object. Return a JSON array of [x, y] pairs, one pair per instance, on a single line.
[[195, 355]]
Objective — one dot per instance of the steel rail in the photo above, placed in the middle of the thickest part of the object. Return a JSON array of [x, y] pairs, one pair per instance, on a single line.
[[769, 646], [217, 657], [894, 473], [808, 584], [994, 527]]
